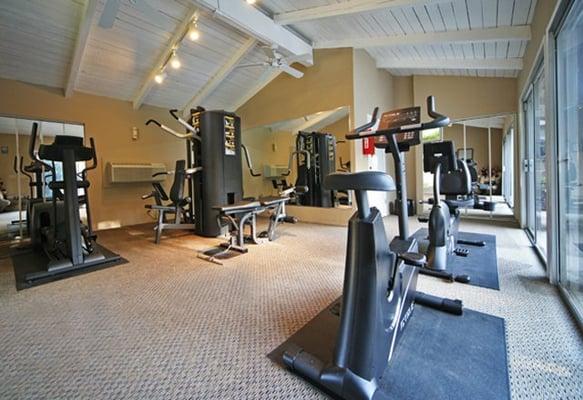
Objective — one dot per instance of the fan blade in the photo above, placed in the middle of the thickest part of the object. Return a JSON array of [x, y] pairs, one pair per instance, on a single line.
[[268, 51], [291, 71], [260, 64], [147, 10], [109, 13]]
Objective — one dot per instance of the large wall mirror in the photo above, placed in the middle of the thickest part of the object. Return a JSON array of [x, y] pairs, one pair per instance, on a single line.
[[20, 183], [299, 153], [486, 144]]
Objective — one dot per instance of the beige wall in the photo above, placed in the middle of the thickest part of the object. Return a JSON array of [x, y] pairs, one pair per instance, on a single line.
[[461, 98], [372, 88], [325, 86], [466, 97], [110, 122]]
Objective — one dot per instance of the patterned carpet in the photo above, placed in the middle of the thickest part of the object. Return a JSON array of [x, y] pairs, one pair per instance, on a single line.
[[169, 325]]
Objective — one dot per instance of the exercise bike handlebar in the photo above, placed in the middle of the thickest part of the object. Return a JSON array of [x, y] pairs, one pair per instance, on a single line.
[[438, 121]]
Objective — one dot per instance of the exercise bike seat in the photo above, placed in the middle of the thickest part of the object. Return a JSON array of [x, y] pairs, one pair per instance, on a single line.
[[360, 181], [459, 203]]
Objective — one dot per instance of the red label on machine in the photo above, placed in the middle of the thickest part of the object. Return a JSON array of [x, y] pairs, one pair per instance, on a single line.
[[368, 148]]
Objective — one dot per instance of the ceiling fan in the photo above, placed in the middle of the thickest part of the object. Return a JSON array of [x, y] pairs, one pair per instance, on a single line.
[[112, 7], [275, 60]]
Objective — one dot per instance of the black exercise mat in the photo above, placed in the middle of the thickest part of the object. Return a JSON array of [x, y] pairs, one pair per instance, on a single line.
[[33, 261], [481, 264], [441, 356]]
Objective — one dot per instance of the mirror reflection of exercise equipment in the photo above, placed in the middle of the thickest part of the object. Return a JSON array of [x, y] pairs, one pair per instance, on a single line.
[[300, 153], [486, 145]]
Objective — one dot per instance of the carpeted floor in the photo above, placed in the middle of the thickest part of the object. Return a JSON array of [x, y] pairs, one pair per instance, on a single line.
[[169, 325]]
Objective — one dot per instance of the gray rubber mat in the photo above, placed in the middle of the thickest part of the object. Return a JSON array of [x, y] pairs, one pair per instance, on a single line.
[[481, 264], [441, 356]]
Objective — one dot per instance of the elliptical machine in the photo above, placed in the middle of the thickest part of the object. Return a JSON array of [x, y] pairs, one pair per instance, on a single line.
[[380, 280], [55, 227]]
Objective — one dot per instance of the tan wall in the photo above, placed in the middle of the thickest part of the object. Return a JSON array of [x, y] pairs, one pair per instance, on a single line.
[[325, 86], [459, 98], [465, 97], [110, 122], [372, 88]]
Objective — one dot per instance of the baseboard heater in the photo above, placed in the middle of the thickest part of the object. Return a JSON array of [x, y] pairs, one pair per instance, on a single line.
[[134, 173]]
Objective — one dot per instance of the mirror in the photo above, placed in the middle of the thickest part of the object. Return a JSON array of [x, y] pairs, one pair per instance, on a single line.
[[486, 144], [299, 153], [20, 183]]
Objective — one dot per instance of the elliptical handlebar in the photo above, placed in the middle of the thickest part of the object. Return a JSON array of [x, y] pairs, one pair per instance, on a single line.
[[438, 121]]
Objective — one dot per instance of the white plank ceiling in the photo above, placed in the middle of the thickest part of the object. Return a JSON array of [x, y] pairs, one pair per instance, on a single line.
[[455, 15], [37, 42]]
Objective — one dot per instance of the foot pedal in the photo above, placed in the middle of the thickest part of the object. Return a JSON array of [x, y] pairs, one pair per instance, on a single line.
[[461, 252]]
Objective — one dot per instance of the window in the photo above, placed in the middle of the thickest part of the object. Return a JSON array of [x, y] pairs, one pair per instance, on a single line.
[[569, 67]]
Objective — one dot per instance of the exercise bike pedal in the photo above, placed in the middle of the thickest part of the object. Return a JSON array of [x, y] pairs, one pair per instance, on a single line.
[[461, 252], [476, 243]]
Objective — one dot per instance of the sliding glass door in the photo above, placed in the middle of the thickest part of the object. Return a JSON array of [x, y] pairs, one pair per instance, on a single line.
[[569, 66], [534, 170]]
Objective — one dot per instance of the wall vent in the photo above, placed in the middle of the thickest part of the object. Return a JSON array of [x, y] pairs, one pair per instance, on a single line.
[[134, 173]]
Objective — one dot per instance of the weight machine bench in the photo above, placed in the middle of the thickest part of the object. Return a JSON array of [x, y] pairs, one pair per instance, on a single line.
[[244, 213]]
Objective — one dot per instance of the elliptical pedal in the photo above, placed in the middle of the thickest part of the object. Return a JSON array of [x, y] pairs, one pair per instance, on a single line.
[[460, 251]]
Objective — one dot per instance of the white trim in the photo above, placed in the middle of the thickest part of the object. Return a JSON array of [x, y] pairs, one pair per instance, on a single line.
[[346, 8], [435, 63], [256, 24], [80, 46], [511, 33]]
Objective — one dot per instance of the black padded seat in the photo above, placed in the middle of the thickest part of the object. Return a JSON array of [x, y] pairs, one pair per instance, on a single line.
[[239, 206], [268, 201], [364, 181], [459, 203]]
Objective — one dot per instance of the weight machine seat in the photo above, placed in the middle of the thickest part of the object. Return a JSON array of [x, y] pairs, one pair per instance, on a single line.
[[360, 181], [60, 185], [240, 206], [270, 201], [157, 207]]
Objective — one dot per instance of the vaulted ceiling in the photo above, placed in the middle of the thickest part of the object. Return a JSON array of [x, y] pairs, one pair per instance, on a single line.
[[62, 43]]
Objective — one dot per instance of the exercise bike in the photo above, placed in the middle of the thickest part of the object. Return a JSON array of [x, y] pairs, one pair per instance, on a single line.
[[452, 179], [380, 279]]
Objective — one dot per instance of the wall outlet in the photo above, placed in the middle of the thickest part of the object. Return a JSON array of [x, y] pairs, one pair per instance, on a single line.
[[135, 133]]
